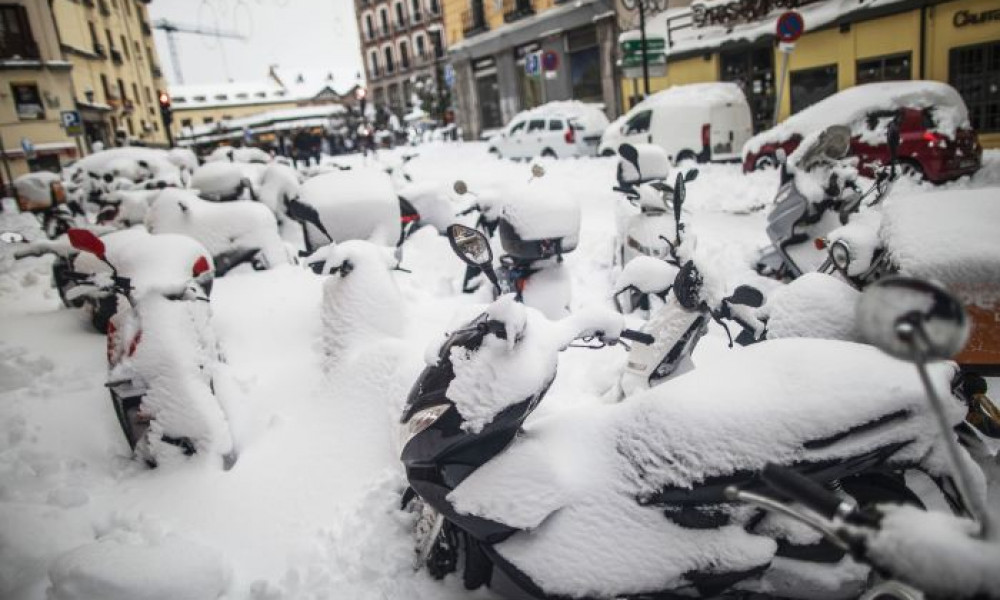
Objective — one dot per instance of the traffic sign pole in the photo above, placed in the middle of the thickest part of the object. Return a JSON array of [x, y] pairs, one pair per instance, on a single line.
[[786, 51], [790, 28], [642, 34]]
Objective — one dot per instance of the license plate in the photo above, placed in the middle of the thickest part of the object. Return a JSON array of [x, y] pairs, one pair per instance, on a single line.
[[967, 163]]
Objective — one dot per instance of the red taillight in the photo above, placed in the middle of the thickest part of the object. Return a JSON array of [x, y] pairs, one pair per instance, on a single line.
[[135, 343], [933, 136], [820, 243], [200, 266], [110, 332], [405, 219], [520, 284], [706, 135], [569, 136]]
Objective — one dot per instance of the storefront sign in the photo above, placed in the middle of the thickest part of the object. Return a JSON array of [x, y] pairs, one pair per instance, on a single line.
[[965, 17], [739, 11]]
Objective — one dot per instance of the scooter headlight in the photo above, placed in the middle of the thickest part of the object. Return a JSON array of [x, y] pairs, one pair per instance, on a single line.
[[420, 421], [840, 254]]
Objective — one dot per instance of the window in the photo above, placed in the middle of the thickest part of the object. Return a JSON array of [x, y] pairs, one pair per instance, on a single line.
[[369, 26], [149, 95], [389, 65], [415, 6], [436, 43], [27, 101], [555, 125], [135, 92], [421, 48], [585, 64], [208, 120], [435, 8], [536, 125], [121, 90], [15, 34], [373, 63], [404, 55], [753, 71], [185, 122], [518, 128], [98, 48], [108, 93], [400, 17], [383, 16], [809, 86], [883, 68], [124, 46], [975, 72], [639, 123]]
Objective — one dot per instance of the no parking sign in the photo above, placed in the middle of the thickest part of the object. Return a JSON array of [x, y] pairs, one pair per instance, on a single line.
[[790, 27]]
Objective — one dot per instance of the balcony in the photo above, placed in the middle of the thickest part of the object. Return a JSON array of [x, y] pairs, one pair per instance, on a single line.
[[155, 70], [146, 29], [116, 57], [99, 50], [19, 49], [474, 20], [105, 9], [515, 10]]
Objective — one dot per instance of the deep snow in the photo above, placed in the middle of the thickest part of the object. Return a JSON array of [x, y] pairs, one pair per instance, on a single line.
[[310, 509]]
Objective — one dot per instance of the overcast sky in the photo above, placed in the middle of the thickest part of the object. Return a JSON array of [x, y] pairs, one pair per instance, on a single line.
[[295, 34]]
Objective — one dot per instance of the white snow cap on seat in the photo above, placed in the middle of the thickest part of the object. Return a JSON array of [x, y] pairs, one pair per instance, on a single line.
[[357, 204], [542, 209]]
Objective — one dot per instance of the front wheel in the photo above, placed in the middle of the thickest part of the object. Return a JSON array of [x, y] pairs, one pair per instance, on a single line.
[[549, 153]]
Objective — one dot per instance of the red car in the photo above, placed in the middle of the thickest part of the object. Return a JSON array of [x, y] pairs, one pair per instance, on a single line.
[[936, 140]]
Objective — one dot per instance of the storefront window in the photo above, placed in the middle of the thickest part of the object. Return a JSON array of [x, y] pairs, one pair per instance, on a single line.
[[585, 64], [488, 93], [975, 72], [884, 68], [809, 86], [28, 101], [753, 71]]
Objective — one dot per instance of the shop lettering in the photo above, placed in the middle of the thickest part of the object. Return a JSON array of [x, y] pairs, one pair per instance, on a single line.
[[740, 11], [964, 17]]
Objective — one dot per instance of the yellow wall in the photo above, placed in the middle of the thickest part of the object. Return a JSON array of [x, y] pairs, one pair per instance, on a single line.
[[453, 10], [53, 86], [893, 34]]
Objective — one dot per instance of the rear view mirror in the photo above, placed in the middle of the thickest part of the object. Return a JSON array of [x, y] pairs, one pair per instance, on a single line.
[[747, 296], [912, 319], [86, 241], [461, 188], [835, 142], [691, 175], [680, 192], [470, 245]]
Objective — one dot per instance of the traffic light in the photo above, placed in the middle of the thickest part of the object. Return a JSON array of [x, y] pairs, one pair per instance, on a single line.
[[362, 96], [165, 111]]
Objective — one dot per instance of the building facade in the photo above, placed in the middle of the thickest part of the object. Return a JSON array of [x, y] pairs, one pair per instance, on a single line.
[[846, 43], [116, 73], [35, 87], [490, 41], [402, 46]]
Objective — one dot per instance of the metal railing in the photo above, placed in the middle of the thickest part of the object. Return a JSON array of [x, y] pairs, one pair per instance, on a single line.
[[514, 10], [474, 20]]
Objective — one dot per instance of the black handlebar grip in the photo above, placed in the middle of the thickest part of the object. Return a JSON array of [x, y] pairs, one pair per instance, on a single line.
[[637, 336], [800, 488]]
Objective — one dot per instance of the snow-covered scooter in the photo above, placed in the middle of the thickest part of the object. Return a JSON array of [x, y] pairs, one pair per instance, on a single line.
[[916, 554], [163, 359], [818, 194], [628, 500]]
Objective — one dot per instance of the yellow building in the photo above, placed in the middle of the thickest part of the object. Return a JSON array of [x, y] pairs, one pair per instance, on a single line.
[[116, 73], [847, 42], [35, 87]]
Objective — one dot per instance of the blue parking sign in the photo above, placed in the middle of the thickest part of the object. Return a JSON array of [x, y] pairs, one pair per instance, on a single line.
[[449, 75], [71, 122], [532, 64]]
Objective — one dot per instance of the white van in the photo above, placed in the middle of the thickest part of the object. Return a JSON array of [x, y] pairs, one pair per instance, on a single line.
[[558, 129], [701, 121]]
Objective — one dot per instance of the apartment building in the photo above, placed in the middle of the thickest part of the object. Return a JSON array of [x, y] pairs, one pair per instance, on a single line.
[[402, 45]]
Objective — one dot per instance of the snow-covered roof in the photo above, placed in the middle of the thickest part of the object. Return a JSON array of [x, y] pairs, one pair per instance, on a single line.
[[689, 38], [272, 120], [591, 116], [696, 93], [851, 105], [281, 85]]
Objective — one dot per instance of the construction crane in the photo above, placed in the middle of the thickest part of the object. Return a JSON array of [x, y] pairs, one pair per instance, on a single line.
[[172, 28]]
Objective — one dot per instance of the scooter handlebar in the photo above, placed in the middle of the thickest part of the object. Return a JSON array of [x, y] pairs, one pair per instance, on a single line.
[[800, 488]]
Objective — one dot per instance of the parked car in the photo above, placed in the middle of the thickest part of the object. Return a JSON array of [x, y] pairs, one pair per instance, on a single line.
[[556, 129], [701, 121], [936, 140]]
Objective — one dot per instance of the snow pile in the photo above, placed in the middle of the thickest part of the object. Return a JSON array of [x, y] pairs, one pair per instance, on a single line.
[[851, 106], [150, 262], [358, 204], [775, 397], [133, 205], [432, 199], [815, 306], [361, 302], [117, 566], [219, 226], [183, 158], [239, 155], [543, 209], [936, 552], [949, 237], [694, 94], [647, 274], [222, 178], [862, 238]]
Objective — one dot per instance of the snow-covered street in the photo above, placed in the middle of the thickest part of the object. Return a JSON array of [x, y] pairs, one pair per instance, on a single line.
[[311, 507]]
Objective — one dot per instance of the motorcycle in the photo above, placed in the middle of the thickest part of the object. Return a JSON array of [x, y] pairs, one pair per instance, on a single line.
[[163, 360], [628, 501], [918, 322], [818, 194], [42, 194]]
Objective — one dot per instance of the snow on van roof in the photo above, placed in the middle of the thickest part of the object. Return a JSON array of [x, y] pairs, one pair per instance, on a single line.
[[852, 104], [696, 93]]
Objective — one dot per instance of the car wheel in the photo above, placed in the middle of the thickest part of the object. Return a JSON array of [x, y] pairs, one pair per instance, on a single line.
[[911, 169], [608, 152], [685, 155], [495, 152], [549, 153], [765, 161]]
